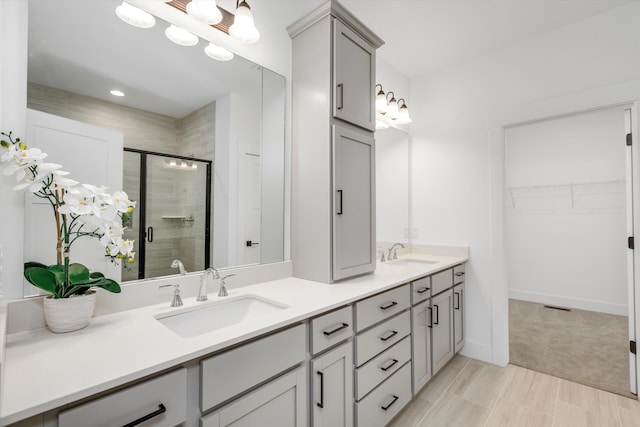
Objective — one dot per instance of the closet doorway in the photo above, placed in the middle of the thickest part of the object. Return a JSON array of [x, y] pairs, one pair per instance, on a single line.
[[567, 218]]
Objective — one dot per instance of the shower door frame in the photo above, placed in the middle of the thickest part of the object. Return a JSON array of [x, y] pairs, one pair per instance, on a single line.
[[142, 206]]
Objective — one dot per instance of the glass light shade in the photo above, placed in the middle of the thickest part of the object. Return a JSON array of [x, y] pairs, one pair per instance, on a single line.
[[243, 28], [381, 124], [181, 36], [205, 10], [403, 115], [134, 16], [381, 103], [218, 52], [393, 109]]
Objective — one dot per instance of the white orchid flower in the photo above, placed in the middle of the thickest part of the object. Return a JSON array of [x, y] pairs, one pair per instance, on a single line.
[[75, 204], [121, 201]]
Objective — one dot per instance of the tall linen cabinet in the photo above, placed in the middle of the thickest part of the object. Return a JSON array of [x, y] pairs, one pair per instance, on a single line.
[[333, 149]]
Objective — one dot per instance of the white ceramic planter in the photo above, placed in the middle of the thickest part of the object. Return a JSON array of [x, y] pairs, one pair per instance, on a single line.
[[69, 314]]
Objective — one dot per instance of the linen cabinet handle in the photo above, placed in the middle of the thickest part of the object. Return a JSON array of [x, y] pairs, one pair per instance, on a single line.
[[385, 407], [339, 210], [457, 306], [336, 330], [161, 410], [388, 306], [321, 403], [340, 88]]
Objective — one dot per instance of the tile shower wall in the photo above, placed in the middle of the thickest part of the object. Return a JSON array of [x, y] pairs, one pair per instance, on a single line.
[[175, 195]]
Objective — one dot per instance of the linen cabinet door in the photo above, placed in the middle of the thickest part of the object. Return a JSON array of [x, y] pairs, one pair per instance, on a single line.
[[353, 77], [332, 388], [353, 203], [421, 319], [442, 330]]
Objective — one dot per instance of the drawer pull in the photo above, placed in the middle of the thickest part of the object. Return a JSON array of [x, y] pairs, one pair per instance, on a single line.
[[321, 403], [430, 325], [385, 407], [390, 365], [437, 322], [388, 306], [161, 410], [388, 337], [336, 330], [422, 290], [460, 273], [457, 306]]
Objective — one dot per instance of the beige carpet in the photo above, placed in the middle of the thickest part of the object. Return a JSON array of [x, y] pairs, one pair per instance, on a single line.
[[582, 346]]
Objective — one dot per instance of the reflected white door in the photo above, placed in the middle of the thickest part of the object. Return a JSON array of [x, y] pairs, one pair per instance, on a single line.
[[250, 210], [630, 254]]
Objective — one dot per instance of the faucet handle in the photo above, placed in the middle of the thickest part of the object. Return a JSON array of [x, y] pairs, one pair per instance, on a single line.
[[177, 300], [223, 289], [382, 258]]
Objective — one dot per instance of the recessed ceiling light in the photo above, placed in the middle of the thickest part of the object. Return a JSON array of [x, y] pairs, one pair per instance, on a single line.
[[116, 93]]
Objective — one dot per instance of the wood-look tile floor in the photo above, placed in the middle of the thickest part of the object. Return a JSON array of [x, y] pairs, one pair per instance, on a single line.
[[468, 393]]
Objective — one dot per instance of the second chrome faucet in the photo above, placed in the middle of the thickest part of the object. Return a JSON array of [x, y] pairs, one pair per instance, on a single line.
[[202, 293]]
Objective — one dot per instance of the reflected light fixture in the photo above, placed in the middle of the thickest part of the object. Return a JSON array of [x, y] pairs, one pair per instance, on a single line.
[[218, 52], [205, 10], [134, 16], [243, 28], [381, 123], [116, 92], [403, 114], [393, 106], [181, 36], [381, 101]]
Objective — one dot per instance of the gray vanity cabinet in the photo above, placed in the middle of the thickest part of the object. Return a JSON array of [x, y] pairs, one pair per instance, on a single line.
[[333, 203], [442, 330], [332, 388]]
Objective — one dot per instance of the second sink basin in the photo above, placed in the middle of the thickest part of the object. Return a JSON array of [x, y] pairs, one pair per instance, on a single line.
[[193, 321], [412, 262]]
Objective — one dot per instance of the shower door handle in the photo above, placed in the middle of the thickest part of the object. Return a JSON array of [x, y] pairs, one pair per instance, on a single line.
[[149, 234]]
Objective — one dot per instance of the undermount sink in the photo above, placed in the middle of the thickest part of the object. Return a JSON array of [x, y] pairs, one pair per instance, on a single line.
[[411, 262], [193, 321]]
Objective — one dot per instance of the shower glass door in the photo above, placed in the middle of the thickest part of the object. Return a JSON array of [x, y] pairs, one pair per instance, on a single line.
[[171, 220]]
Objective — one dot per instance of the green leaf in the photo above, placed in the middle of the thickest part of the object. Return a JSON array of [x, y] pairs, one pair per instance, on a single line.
[[42, 278], [109, 285], [78, 273], [96, 275], [33, 264]]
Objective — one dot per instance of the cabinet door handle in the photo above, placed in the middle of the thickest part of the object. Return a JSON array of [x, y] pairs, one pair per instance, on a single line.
[[422, 290], [390, 365], [340, 88], [149, 234], [321, 403], [161, 410], [385, 407], [437, 322], [339, 210], [336, 330], [457, 306], [388, 337], [388, 306], [430, 325]]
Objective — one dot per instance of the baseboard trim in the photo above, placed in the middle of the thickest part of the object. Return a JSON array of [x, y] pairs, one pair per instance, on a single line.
[[478, 351], [577, 303]]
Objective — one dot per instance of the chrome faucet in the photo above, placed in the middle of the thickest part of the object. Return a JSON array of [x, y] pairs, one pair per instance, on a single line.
[[176, 301], [223, 290], [202, 294], [178, 264], [394, 251]]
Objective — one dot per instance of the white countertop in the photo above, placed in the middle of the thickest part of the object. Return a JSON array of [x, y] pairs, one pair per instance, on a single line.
[[43, 370]]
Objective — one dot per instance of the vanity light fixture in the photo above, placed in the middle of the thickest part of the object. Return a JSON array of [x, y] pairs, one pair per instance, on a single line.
[[393, 106], [135, 16], [403, 114], [181, 36], [116, 92], [205, 10], [243, 28], [218, 52], [381, 102]]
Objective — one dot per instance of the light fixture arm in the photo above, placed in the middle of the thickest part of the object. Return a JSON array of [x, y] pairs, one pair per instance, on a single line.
[[380, 92], [403, 103], [393, 96]]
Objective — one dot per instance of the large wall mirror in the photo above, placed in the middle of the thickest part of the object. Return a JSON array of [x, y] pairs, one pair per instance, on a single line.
[[203, 139], [392, 187]]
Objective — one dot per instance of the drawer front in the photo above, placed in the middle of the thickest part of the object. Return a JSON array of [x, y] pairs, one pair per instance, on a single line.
[[379, 307], [331, 329], [383, 403], [458, 274], [379, 338], [441, 281], [234, 371], [381, 367], [164, 399], [420, 290]]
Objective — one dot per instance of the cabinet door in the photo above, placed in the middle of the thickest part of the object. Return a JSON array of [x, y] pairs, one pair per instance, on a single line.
[[282, 402], [442, 330], [421, 319], [332, 388], [353, 77], [354, 203], [458, 317]]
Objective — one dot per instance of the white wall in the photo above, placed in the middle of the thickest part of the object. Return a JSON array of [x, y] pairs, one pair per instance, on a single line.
[[566, 211], [457, 164]]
